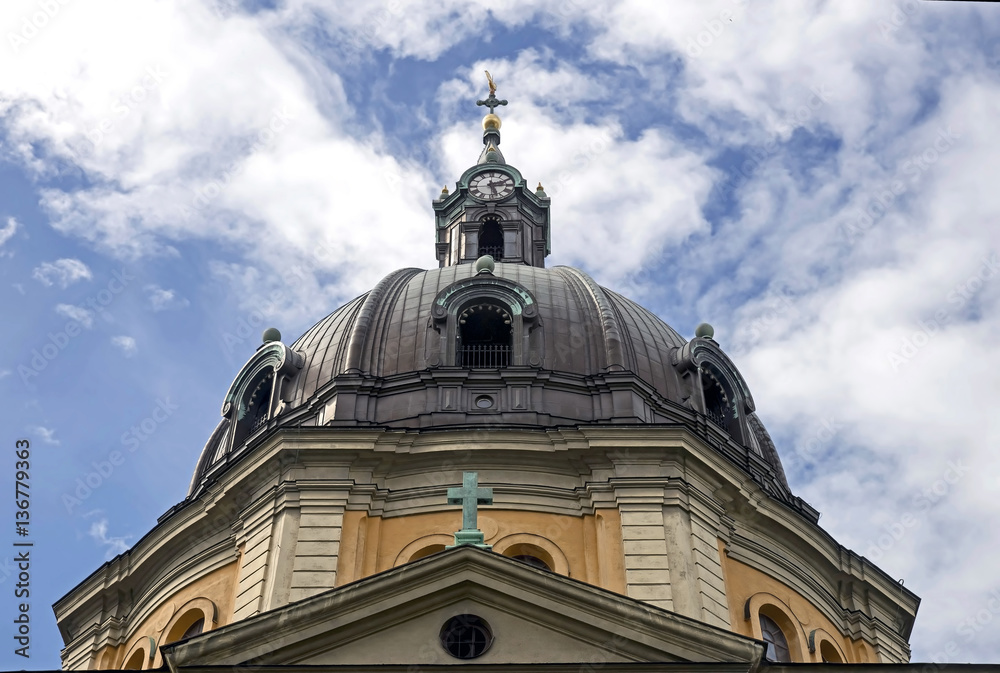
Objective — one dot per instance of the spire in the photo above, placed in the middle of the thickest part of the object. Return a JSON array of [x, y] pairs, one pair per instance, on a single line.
[[492, 211], [491, 126]]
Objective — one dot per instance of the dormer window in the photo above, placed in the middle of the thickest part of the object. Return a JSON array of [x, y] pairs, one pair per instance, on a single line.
[[484, 337], [491, 238], [716, 404], [484, 322], [256, 409]]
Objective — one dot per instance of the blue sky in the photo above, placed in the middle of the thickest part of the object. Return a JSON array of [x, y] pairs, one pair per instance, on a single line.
[[816, 179]]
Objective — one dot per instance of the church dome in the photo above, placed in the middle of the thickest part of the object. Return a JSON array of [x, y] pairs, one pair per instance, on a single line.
[[554, 349], [589, 330], [493, 338]]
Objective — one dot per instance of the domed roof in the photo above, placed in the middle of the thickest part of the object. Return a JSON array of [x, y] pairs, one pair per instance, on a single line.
[[589, 330], [581, 354]]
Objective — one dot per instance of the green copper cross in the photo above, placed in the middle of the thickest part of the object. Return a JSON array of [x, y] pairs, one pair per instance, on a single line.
[[491, 102], [469, 496]]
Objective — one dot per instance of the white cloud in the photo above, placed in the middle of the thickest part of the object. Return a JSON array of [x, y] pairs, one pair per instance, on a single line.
[[115, 545], [8, 230], [63, 272], [4, 373], [161, 299], [126, 344], [77, 313], [47, 434]]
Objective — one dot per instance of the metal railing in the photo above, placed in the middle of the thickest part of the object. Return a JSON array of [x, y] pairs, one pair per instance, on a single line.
[[260, 417], [494, 251], [484, 356], [718, 416]]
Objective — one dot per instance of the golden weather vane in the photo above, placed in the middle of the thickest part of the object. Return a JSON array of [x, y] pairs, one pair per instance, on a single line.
[[492, 102]]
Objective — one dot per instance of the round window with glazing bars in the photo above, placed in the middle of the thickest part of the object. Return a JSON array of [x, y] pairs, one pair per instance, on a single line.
[[466, 636]]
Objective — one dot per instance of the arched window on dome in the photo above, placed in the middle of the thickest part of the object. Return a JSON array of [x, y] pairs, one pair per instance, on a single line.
[[255, 409], [491, 238], [777, 644], [717, 403], [485, 336]]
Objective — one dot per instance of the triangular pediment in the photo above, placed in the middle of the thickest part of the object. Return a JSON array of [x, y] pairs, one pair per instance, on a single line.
[[396, 617]]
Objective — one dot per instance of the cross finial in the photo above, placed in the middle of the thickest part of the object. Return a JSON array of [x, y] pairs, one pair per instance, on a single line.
[[492, 101], [469, 496]]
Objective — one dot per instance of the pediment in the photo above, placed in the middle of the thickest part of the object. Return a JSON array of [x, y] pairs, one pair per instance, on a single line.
[[396, 617]]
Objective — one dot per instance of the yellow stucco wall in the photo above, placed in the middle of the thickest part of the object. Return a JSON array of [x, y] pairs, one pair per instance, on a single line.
[[588, 548], [218, 587], [776, 600]]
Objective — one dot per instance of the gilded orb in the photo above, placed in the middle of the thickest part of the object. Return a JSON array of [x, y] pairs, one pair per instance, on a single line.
[[491, 121]]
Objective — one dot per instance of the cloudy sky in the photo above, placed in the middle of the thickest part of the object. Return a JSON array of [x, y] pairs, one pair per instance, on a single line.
[[817, 179]]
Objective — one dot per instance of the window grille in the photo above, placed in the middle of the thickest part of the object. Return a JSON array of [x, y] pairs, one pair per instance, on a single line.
[[484, 356], [491, 239], [484, 337]]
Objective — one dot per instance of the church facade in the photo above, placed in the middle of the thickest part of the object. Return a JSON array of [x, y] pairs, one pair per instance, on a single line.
[[491, 462]]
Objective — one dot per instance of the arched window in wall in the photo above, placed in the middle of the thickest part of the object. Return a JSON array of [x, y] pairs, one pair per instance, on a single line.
[[484, 336], [491, 238], [532, 561], [530, 554], [189, 624], [777, 644], [135, 662], [195, 629], [828, 653], [427, 551]]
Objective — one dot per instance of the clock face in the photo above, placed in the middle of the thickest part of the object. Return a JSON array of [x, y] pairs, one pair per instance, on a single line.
[[491, 185]]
